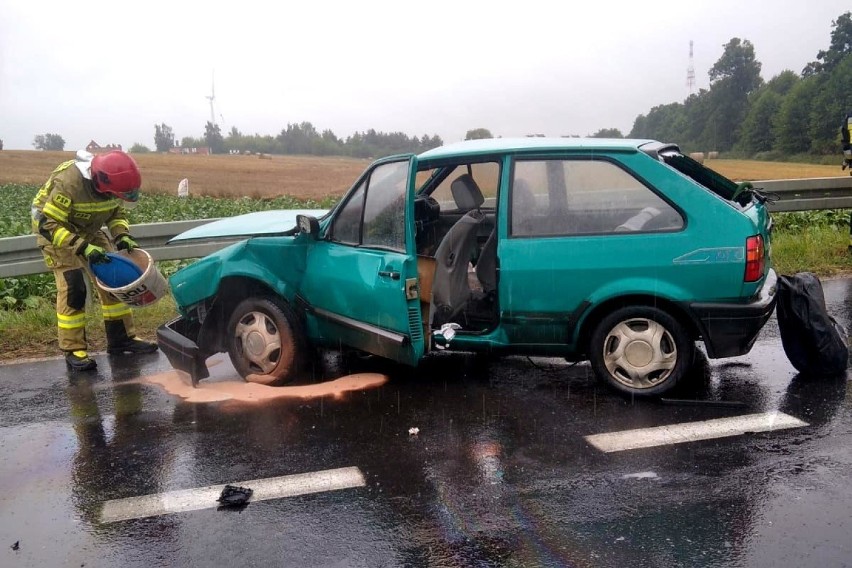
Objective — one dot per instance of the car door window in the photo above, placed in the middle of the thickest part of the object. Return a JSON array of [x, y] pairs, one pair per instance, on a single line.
[[384, 210], [347, 224], [374, 214], [582, 197]]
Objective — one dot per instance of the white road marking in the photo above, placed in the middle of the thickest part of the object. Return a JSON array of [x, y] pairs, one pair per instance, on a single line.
[[693, 431], [205, 497]]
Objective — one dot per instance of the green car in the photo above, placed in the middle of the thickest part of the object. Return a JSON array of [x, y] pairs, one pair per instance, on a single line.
[[622, 252]]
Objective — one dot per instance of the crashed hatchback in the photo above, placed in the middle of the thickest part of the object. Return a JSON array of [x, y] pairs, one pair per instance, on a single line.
[[622, 252]]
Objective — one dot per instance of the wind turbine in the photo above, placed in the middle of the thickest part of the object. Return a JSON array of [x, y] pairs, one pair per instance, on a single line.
[[212, 97]]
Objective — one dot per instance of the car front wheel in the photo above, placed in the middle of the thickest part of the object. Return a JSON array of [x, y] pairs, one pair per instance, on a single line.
[[641, 350], [265, 341]]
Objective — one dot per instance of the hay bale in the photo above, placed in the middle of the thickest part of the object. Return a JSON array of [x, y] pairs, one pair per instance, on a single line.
[[697, 156], [712, 155]]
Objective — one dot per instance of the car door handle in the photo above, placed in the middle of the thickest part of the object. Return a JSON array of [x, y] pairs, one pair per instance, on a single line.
[[392, 274]]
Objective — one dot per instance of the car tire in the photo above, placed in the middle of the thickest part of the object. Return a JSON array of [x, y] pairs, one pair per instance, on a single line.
[[266, 343], [641, 351]]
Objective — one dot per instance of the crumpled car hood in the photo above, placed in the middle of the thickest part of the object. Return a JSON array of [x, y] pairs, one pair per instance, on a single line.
[[248, 225]]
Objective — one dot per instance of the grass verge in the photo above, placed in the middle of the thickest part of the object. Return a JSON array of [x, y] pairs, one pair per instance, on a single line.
[[32, 332]]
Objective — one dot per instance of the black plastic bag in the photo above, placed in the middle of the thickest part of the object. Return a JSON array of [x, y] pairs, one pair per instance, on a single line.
[[814, 342]]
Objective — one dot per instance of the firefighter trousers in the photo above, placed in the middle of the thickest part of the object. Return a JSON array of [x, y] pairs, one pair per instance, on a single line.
[[70, 273]]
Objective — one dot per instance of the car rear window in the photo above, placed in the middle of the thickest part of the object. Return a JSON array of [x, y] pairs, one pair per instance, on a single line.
[[714, 181]]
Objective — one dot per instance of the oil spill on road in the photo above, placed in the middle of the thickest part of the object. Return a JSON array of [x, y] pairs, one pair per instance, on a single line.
[[178, 384]]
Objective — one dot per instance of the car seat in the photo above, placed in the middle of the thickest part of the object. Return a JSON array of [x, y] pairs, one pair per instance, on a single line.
[[450, 289]]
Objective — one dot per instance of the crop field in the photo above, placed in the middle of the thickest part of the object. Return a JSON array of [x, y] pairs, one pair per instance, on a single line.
[[301, 177]]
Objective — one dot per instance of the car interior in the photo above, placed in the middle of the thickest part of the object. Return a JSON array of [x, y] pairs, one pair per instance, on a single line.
[[457, 253]]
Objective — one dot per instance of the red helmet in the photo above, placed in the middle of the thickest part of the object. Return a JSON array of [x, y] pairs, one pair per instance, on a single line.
[[116, 173]]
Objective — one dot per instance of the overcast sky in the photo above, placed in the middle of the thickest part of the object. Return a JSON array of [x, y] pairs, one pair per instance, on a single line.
[[109, 72]]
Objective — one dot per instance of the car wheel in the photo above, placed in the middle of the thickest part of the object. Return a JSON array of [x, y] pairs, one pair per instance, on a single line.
[[641, 350], [265, 341]]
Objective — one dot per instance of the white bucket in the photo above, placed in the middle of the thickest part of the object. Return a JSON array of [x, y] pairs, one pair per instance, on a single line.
[[146, 289]]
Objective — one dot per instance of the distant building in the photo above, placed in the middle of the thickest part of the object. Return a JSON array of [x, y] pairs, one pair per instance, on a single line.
[[96, 148], [201, 150]]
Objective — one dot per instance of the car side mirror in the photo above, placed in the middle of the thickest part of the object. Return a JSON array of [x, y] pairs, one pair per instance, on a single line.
[[308, 225]]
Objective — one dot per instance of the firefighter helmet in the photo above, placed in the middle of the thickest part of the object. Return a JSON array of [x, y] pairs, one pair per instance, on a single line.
[[116, 173]]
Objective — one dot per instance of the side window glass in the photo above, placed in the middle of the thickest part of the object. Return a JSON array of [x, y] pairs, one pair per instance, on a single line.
[[347, 224], [583, 197], [384, 211], [487, 178]]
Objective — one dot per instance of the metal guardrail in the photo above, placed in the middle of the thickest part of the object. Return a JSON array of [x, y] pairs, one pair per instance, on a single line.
[[19, 256], [809, 194]]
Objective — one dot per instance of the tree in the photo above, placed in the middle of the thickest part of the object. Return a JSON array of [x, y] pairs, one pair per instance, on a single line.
[[833, 100], [1, 144], [733, 77], [164, 137], [213, 137], [757, 133], [49, 142], [608, 133], [841, 46], [478, 134], [791, 124], [138, 148]]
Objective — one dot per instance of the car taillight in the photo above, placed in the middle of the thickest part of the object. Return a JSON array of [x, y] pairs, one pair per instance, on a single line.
[[755, 258]]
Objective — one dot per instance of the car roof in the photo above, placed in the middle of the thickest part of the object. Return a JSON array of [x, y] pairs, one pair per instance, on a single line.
[[503, 145]]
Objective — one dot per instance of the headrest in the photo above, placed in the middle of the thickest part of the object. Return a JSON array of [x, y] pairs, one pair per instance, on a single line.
[[466, 193]]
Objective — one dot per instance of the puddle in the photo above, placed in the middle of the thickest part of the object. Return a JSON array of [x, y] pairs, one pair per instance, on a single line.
[[178, 384]]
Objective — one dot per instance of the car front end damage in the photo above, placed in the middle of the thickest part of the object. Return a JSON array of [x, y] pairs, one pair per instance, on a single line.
[[177, 340]]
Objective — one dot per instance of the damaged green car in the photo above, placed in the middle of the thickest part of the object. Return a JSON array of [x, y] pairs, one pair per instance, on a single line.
[[622, 252]]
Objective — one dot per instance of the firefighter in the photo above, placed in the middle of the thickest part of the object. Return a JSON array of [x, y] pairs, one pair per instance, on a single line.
[[79, 198]]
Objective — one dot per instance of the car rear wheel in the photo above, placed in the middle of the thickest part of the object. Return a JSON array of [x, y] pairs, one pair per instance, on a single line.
[[641, 350], [265, 341]]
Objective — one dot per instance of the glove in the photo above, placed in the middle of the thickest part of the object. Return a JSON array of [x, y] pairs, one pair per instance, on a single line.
[[126, 242], [92, 253]]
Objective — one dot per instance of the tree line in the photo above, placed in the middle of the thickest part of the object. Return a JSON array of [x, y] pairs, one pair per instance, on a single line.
[[295, 138], [792, 113]]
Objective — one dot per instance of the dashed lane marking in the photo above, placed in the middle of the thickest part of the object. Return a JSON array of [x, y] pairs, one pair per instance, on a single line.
[[693, 431], [205, 497]]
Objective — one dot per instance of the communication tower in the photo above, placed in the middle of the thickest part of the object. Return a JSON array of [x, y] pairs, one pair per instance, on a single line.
[[690, 72]]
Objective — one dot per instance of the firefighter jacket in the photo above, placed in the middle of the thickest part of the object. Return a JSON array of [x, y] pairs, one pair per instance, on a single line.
[[68, 212]]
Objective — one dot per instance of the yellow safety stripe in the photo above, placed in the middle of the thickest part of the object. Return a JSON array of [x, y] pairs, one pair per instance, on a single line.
[[115, 311], [63, 166], [60, 236], [55, 212], [71, 322], [95, 206], [118, 223]]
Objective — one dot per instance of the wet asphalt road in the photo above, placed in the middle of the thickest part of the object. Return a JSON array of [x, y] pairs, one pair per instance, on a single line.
[[500, 473]]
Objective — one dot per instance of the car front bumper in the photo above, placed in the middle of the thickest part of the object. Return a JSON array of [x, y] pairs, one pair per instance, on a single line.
[[177, 340], [730, 330]]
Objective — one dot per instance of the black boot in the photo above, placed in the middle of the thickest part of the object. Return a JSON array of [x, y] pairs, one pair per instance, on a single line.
[[131, 345], [119, 343], [79, 361]]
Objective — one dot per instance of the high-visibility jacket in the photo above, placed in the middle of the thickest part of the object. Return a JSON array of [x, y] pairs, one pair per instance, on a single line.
[[68, 210]]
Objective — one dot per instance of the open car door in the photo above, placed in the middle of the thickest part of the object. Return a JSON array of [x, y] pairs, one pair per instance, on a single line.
[[360, 284]]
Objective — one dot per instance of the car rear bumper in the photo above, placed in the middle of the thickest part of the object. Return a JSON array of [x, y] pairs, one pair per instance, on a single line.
[[730, 330], [177, 340]]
